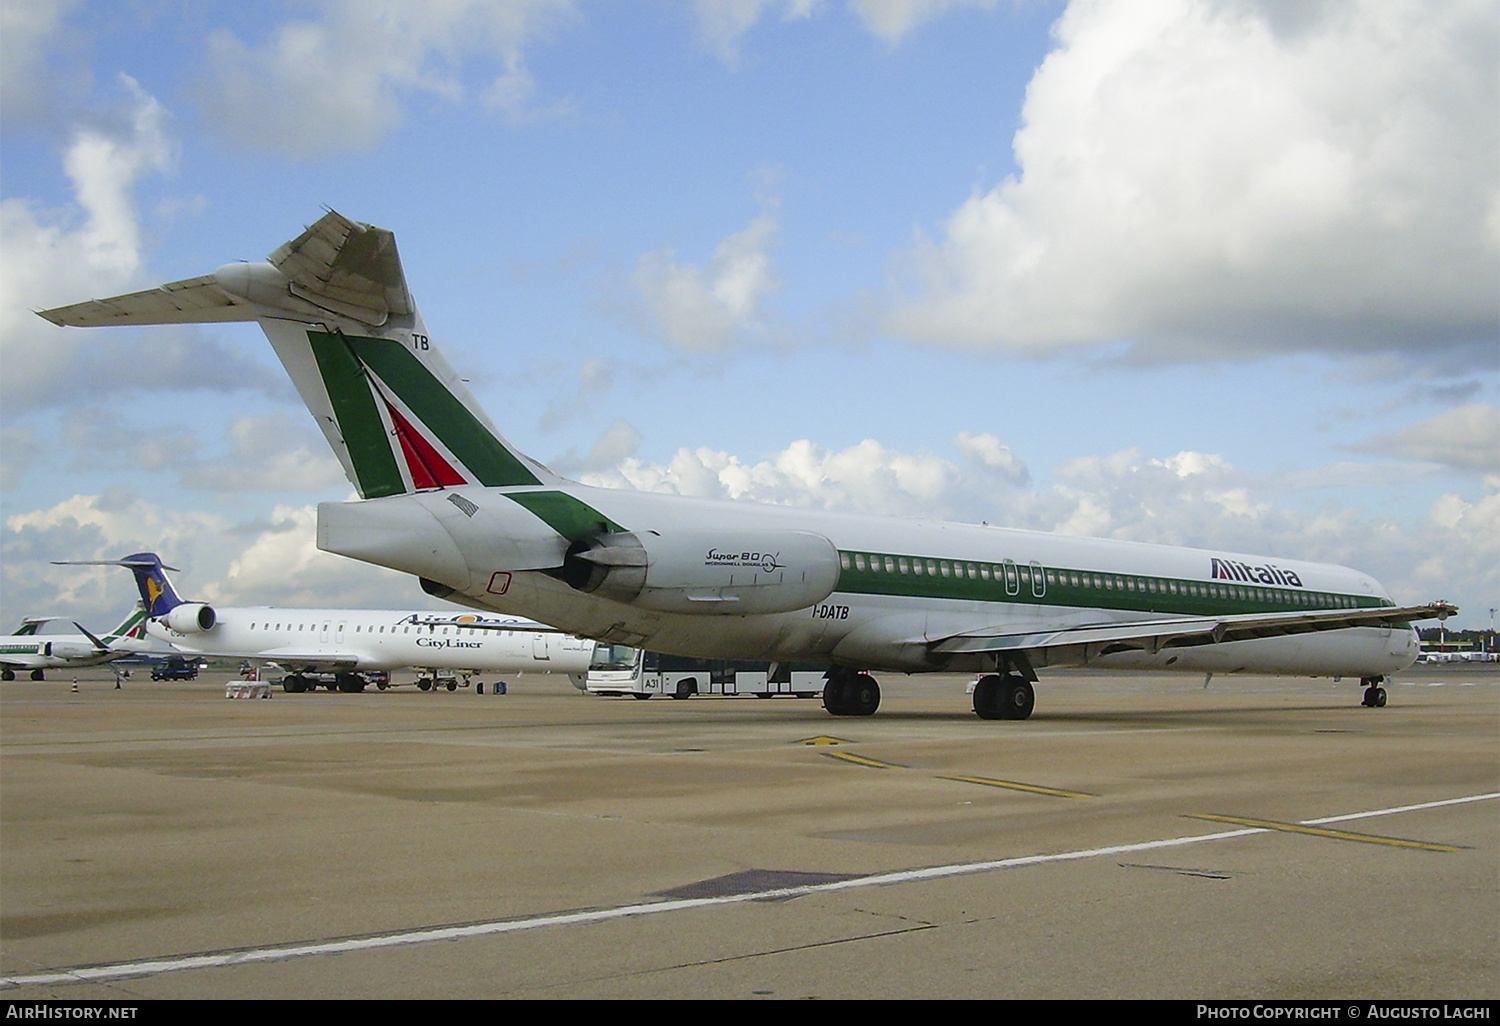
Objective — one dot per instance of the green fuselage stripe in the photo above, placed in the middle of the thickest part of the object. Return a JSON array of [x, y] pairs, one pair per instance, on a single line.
[[441, 412], [572, 518], [366, 436], [1057, 586]]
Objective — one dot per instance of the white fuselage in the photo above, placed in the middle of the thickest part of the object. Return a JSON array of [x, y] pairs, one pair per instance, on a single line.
[[378, 639], [903, 584], [58, 651]]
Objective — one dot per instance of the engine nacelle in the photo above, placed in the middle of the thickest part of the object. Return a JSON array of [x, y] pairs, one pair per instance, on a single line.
[[79, 649], [191, 618], [727, 573]]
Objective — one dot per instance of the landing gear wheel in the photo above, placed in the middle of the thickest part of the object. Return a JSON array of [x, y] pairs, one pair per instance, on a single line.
[[833, 694], [1004, 698], [863, 696], [987, 697], [851, 694], [1374, 697], [1018, 698], [38, 675]]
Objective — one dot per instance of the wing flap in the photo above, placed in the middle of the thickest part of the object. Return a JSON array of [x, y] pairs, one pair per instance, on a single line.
[[1154, 635], [190, 301], [321, 661]]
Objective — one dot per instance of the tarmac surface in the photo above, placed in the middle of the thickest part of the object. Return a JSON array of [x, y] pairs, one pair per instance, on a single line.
[[1138, 837]]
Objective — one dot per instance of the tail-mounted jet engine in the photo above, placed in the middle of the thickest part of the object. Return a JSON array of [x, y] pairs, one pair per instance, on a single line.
[[69, 649], [191, 618], [706, 572]]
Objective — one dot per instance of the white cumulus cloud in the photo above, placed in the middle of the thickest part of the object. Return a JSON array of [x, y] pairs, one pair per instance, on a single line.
[[1222, 177], [891, 20], [712, 306], [338, 82], [1465, 438]]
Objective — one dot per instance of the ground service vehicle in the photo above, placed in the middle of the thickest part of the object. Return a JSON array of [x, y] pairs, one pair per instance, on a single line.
[[175, 667], [622, 670]]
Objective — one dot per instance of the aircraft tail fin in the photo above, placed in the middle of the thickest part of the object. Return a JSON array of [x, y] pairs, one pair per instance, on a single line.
[[132, 627], [335, 304], [158, 597]]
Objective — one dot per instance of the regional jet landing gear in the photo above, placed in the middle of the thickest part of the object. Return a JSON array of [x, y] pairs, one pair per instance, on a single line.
[[1004, 698], [1374, 693], [850, 693]]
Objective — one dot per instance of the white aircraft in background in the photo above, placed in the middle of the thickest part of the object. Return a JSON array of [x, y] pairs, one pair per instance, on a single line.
[[348, 642], [445, 497], [26, 650]]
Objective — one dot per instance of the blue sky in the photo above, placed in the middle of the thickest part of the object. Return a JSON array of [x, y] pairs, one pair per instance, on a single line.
[[1209, 272]]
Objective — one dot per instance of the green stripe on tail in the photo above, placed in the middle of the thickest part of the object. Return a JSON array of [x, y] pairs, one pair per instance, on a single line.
[[442, 413], [366, 437]]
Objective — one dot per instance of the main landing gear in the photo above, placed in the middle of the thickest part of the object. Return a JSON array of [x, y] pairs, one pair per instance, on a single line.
[[849, 693], [1004, 698], [1374, 693]]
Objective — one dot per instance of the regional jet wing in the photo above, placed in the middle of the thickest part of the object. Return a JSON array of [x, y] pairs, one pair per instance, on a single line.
[[1185, 632], [191, 301], [326, 662]]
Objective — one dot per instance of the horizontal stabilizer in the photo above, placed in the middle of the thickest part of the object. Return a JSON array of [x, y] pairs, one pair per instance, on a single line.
[[191, 301], [1155, 635], [348, 268]]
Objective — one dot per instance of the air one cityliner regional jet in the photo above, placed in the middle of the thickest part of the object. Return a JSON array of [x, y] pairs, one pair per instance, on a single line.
[[347, 642], [445, 497]]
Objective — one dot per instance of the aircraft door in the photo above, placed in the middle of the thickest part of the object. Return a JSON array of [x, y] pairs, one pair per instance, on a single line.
[[539, 646], [1012, 578]]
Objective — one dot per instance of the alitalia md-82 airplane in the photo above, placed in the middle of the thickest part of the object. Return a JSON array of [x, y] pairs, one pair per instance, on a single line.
[[346, 642], [445, 497], [26, 650]]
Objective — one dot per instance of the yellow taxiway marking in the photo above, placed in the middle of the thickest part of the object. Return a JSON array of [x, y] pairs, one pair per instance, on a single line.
[[823, 739], [1342, 835], [860, 760], [1017, 786]]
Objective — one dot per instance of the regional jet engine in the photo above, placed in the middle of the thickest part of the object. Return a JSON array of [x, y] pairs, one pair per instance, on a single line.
[[191, 618]]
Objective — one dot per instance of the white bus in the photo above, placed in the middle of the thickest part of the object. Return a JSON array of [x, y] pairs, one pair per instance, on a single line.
[[622, 670]]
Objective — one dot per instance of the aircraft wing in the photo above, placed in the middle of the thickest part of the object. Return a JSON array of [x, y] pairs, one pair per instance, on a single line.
[[191, 301], [326, 662], [1185, 632]]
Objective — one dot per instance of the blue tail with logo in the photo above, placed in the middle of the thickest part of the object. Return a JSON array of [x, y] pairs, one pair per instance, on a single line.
[[157, 593]]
